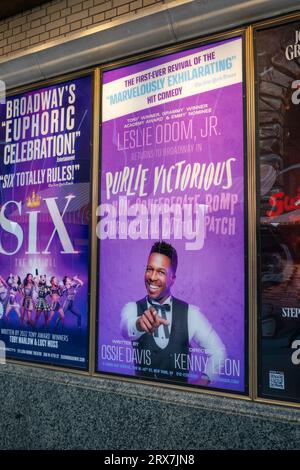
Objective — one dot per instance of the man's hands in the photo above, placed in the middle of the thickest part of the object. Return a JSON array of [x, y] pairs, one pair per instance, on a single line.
[[150, 320]]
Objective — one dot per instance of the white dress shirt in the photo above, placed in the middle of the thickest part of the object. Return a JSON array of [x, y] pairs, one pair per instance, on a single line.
[[199, 330]]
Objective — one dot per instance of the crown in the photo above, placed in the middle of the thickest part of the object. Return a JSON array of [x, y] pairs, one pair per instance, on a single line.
[[33, 201]]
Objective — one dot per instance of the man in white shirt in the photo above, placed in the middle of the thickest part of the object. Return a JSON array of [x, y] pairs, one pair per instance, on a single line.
[[162, 327]]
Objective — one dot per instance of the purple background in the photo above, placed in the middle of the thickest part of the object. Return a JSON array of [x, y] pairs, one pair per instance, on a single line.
[[211, 278], [76, 221]]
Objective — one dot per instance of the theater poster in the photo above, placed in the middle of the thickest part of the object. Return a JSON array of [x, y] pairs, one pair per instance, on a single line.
[[278, 95], [45, 161], [172, 183]]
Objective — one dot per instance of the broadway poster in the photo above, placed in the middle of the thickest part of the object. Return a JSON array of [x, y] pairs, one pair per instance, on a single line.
[[45, 153], [171, 219], [278, 97]]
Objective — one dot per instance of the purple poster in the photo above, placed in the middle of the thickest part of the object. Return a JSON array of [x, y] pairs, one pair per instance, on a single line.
[[45, 137], [171, 219]]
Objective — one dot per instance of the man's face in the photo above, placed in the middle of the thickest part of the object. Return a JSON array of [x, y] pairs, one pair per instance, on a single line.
[[159, 276]]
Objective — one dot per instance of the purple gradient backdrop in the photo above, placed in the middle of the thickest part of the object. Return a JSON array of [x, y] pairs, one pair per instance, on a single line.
[[211, 278]]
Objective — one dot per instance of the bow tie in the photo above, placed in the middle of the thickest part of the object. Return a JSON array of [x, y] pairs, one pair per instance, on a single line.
[[162, 308]]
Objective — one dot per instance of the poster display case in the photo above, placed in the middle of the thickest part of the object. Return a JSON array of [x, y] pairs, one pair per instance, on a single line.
[[277, 56], [45, 174], [172, 228]]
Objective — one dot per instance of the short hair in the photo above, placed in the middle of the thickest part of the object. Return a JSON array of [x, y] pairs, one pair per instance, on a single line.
[[167, 250]]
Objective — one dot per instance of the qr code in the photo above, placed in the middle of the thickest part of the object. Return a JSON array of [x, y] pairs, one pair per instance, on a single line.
[[276, 380]]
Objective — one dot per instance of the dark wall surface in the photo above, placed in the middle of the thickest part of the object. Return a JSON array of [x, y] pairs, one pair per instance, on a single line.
[[43, 409]]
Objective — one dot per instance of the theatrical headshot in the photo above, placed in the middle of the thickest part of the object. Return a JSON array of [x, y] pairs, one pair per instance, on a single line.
[[162, 327]]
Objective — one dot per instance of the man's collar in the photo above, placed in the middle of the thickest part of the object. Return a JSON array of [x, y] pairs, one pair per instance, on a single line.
[[168, 301]]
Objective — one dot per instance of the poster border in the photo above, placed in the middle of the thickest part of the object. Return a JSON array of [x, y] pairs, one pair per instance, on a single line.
[[90, 72], [248, 237], [257, 396], [251, 215]]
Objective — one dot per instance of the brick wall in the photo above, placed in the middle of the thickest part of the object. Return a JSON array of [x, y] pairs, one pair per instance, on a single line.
[[64, 18]]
